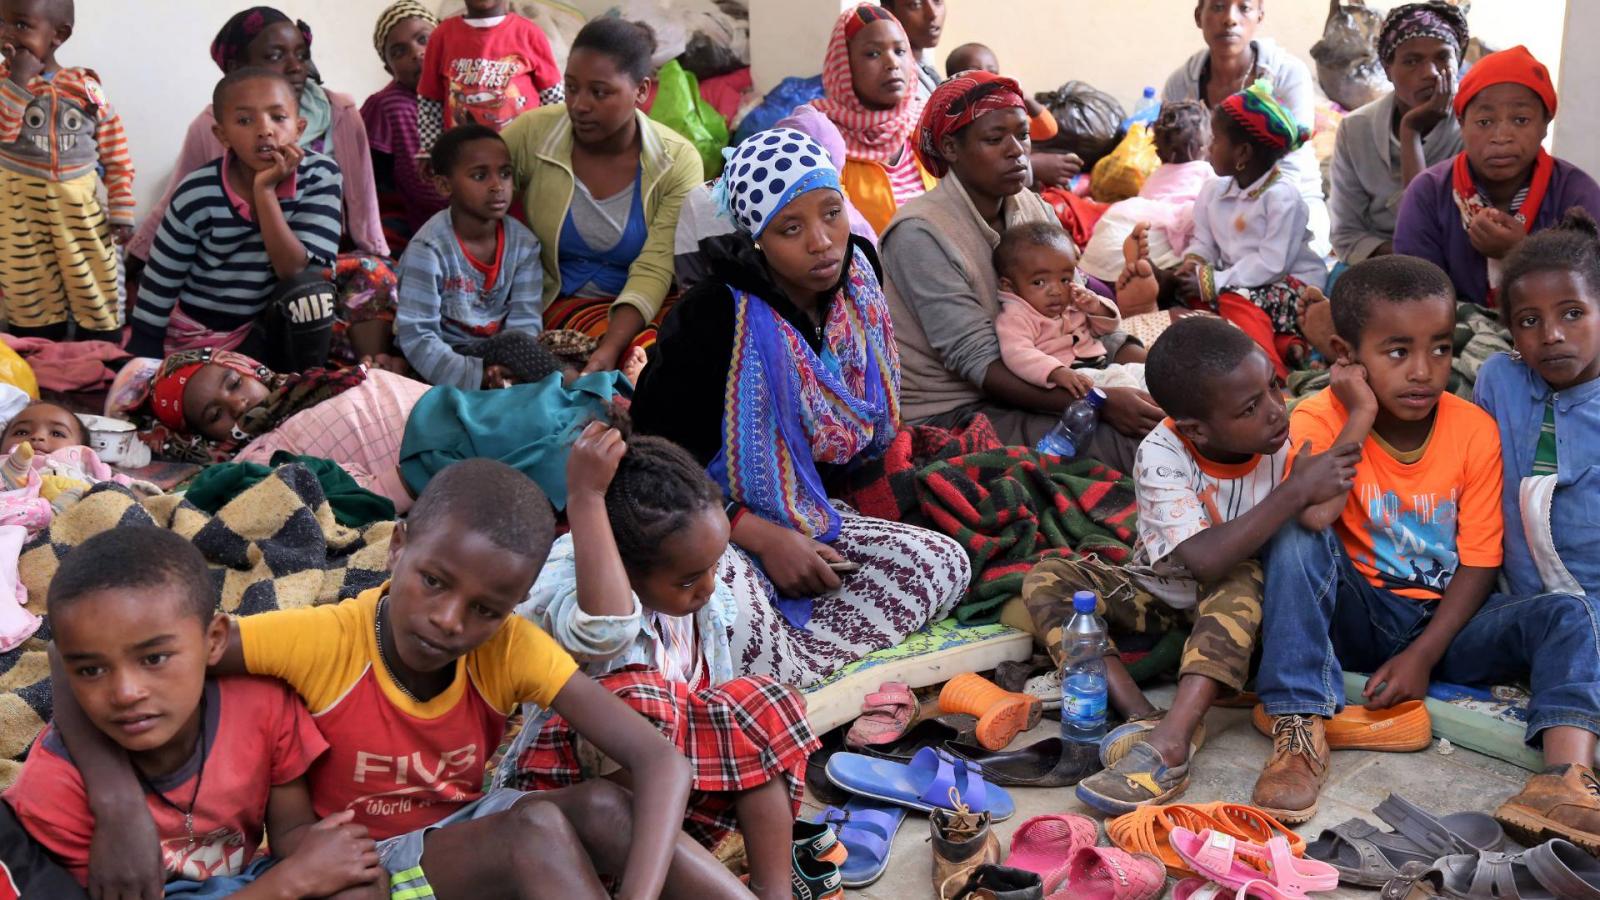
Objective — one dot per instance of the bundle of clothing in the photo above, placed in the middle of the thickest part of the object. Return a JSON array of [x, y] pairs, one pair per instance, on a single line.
[[1009, 507], [274, 546]]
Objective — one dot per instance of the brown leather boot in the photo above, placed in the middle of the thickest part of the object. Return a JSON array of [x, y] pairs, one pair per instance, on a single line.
[[1560, 802], [1293, 777], [962, 841]]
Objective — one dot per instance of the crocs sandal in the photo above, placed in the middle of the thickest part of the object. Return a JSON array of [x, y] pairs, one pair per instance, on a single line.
[[924, 784], [1046, 845], [1051, 762], [1106, 873], [953, 729], [1554, 870], [1248, 823], [1402, 728], [1119, 740], [885, 716], [867, 830], [1002, 715], [1146, 829], [1221, 858], [1367, 857]]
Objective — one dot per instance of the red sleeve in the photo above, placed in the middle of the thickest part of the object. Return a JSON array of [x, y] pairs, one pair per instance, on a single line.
[[432, 84], [1480, 530], [542, 59], [296, 743], [49, 801]]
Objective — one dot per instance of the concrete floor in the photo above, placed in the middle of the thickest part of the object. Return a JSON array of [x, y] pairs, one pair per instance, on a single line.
[[1226, 769]]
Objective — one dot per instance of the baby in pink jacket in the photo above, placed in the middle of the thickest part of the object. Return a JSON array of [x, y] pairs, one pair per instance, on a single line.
[[1054, 331]]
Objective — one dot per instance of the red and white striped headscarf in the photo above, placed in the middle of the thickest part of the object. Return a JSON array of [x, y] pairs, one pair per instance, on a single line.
[[873, 135]]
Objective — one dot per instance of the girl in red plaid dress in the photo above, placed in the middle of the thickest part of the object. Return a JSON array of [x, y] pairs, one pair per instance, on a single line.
[[633, 594]]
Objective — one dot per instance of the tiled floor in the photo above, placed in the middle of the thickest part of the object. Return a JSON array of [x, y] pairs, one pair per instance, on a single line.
[[1226, 769]]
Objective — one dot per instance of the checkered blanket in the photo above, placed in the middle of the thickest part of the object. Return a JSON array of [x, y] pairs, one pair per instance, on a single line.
[[275, 546], [1008, 506]]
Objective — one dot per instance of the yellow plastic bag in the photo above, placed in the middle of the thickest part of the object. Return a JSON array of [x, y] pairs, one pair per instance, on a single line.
[[15, 371], [1122, 173]]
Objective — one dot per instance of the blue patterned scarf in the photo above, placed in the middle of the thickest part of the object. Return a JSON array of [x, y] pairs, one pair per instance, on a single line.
[[789, 408]]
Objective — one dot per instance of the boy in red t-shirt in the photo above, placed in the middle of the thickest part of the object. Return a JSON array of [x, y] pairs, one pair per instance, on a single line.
[[1396, 576], [485, 67], [411, 684], [133, 611]]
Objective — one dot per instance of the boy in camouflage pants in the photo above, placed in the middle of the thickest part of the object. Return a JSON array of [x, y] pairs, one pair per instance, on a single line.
[[1211, 492]]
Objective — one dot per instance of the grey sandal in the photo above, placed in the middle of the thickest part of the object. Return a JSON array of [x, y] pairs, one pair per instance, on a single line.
[[1554, 870], [1367, 857]]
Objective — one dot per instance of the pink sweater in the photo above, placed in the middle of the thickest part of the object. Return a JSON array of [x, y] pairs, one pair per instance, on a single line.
[[350, 150], [1034, 345]]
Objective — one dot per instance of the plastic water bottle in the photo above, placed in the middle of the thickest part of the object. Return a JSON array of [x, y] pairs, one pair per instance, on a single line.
[[1076, 427], [1147, 109], [1083, 673]]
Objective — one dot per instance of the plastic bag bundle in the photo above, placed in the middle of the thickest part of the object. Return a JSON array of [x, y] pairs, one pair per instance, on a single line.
[[1090, 120], [1347, 56], [1122, 172]]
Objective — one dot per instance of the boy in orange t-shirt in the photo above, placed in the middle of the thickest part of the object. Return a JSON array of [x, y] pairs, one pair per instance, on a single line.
[[1395, 578]]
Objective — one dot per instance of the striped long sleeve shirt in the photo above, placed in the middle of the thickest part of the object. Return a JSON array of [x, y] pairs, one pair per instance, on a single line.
[[61, 127], [212, 260]]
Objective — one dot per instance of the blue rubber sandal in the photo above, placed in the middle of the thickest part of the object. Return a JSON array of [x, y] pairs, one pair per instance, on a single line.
[[924, 784], [866, 829]]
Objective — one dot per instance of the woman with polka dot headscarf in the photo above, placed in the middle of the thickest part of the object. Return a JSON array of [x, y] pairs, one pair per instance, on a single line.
[[776, 372]]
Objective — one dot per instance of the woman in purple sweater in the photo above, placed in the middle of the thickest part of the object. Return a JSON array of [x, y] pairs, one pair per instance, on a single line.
[[1467, 214], [406, 197]]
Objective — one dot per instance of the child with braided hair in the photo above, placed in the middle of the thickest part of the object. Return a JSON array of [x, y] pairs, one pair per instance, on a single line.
[[1251, 260], [634, 594]]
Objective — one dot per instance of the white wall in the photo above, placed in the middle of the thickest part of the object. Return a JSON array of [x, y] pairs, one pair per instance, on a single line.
[[154, 56], [1577, 123], [1121, 46]]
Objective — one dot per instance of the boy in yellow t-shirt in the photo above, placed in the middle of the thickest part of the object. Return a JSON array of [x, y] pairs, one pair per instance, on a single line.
[[412, 683]]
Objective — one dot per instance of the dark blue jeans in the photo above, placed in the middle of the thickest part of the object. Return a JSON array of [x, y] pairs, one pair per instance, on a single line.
[[1321, 615]]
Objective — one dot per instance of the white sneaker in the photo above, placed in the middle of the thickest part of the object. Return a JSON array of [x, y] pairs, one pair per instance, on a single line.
[[1046, 687]]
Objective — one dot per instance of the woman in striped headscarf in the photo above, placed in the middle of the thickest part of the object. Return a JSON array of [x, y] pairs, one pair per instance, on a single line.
[[407, 197], [870, 93]]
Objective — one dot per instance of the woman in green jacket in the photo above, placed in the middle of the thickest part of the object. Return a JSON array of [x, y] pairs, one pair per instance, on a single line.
[[602, 185]]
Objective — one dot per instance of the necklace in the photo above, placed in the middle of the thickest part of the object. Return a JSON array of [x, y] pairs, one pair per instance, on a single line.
[[199, 780], [377, 624]]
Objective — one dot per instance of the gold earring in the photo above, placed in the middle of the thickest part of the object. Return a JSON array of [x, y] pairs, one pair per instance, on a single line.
[[1239, 166]]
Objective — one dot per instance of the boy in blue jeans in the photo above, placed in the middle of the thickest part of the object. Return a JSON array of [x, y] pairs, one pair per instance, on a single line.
[[1396, 577]]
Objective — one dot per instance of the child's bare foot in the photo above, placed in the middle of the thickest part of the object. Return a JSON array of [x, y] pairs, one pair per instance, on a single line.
[[1137, 288], [633, 364], [1316, 322]]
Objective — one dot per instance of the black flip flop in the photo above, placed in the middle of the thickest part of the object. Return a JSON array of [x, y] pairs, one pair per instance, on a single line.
[[1051, 762], [1367, 857], [953, 728]]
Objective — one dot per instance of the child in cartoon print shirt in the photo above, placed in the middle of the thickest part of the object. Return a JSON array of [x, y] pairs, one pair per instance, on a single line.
[[486, 67]]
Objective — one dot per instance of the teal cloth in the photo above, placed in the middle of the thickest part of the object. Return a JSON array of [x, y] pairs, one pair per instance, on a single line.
[[529, 427], [353, 505]]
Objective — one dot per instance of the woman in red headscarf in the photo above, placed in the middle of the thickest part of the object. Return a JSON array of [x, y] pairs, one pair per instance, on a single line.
[[943, 290], [1468, 213], [870, 92]]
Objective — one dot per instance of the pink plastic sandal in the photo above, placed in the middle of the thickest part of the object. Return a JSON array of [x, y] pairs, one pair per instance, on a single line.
[[885, 716], [1106, 873], [1217, 856], [1045, 845]]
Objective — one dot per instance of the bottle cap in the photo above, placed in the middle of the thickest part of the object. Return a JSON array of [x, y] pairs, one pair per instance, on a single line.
[[1150, 93], [1096, 398], [1084, 602]]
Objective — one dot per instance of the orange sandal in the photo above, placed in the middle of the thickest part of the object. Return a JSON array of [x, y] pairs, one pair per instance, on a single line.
[[1145, 830], [1402, 728], [1001, 714]]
